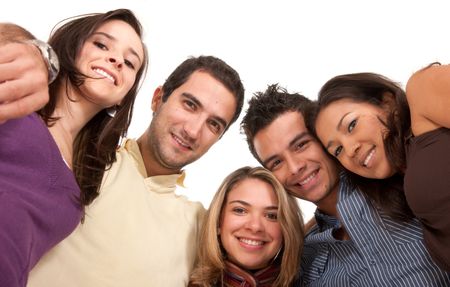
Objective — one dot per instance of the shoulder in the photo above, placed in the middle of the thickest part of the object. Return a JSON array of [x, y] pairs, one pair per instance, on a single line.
[[427, 74], [427, 81], [427, 94]]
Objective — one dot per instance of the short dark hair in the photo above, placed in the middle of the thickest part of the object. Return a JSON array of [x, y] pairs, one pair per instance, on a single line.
[[215, 67], [265, 107]]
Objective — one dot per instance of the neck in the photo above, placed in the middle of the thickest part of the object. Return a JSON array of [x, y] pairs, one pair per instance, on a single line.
[[328, 204], [72, 114], [152, 165]]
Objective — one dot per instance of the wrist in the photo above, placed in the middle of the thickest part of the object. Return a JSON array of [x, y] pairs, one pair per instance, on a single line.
[[49, 56]]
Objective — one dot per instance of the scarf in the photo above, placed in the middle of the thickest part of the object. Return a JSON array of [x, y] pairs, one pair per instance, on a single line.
[[236, 276]]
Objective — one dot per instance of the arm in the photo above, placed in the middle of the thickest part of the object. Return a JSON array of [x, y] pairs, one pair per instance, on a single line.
[[428, 93], [23, 74]]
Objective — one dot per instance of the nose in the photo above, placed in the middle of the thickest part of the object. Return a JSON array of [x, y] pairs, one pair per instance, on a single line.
[[193, 127], [351, 148], [295, 164], [115, 61], [254, 223]]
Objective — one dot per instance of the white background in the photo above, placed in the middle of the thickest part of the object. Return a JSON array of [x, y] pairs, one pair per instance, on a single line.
[[298, 44]]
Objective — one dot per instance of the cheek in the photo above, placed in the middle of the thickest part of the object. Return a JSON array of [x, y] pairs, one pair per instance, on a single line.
[[226, 232], [351, 166], [208, 139], [321, 135], [277, 233], [277, 237], [280, 176], [129, 79]]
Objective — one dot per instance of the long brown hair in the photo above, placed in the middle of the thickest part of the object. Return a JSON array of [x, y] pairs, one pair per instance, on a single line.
[[210, 260], [95, 145], [372, 88]]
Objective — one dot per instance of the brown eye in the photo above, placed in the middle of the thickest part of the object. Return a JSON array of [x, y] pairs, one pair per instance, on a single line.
[[337, 151], [100, 45], [351, 126]]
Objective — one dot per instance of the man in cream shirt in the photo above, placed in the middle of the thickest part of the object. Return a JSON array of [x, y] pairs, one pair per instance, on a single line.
[[138, 232]]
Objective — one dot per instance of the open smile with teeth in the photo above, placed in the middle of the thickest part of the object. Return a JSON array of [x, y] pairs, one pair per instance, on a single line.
[[104, 74], [251, 242], [180, 142], [369, 157], [308, 179]]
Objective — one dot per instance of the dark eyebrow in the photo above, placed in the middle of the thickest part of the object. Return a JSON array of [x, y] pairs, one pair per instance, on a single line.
[[291, 143], [338, 127], [132, 51], [199, 104]]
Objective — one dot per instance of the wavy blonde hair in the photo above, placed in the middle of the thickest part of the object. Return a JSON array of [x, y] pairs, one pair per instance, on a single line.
[[210, 263]]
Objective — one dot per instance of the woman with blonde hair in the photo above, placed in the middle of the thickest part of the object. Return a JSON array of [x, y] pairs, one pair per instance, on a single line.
[[252, 234]]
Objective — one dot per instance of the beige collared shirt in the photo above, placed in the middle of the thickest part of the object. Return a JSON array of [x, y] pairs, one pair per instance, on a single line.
[[138, 232]]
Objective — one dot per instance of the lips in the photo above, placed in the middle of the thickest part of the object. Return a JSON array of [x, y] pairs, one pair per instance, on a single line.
[[308, 178], [105, 74], [368, 158], [181, 142], [251, 242]]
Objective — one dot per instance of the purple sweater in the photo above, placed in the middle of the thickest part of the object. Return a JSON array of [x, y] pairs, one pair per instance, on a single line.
[[38, 197]]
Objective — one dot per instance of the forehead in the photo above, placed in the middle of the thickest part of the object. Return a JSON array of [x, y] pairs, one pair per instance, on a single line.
[[334, 114], [214, 97], [253, 191], [278, 135], [122, 33]]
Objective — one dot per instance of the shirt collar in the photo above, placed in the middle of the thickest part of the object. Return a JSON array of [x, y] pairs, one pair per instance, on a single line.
[[159, 183]]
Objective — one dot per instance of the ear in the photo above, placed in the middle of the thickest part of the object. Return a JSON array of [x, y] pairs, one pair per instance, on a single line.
[[157, 98]]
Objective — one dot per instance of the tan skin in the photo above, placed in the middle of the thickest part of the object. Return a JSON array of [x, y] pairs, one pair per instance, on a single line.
[[184, 127], [23, 80], [427, 93], [106, 57], [299, 162]]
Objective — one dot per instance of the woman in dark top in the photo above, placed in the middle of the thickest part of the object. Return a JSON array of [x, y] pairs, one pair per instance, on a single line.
[[377, 131]]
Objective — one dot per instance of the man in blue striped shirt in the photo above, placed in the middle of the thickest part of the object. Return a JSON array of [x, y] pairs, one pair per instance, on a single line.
[[353, 242]]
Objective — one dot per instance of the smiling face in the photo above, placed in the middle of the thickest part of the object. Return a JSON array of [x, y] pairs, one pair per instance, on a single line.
[[111, 58], [297, 160], [184, 127], [353, 132], [249, 230]]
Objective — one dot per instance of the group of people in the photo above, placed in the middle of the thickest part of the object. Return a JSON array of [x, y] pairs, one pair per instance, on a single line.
[[81, 205]]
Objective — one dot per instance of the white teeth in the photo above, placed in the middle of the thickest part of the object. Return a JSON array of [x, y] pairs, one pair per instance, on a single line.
[[308, 179], [369, 157], [251, 242], [180, 142], [104, 74]]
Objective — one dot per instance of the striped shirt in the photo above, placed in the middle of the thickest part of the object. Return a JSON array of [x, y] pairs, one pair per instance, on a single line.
[[381, 252]]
